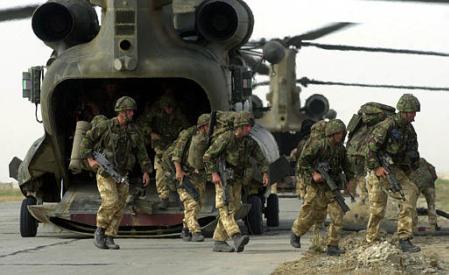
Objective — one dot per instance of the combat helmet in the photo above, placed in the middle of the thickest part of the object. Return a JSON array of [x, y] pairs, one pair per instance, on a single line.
[[335, 126], [408, 103], [125, 103], [203, 120], [243, 118]]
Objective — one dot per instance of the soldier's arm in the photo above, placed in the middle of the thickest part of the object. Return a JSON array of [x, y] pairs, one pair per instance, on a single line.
[[141, 154], [90, 139], [307, 159], [181, 144], [376, 142], [215, 150], [412, 147]]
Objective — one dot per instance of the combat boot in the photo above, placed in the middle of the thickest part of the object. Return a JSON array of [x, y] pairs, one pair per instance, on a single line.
[[407, 246], [333, 250], [197, 237], [99, 238], [295, 241], [185, 234], [240, 241], [110, 243], [222, 246], [163, 204]]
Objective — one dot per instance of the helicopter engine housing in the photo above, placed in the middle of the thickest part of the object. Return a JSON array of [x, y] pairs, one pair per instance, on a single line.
[[62, 24]]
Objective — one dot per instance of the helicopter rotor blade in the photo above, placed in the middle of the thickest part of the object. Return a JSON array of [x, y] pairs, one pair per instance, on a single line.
[[315, 34], [418, 1], [17, 13]]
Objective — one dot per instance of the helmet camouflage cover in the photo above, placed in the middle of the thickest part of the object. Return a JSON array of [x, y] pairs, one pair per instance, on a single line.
[[408, 103], [125, 103], [335, 126], [244, 118], [166, 101], [203, 120]]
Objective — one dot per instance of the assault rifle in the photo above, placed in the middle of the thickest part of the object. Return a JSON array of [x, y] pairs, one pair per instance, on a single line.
[[323, 168], [386, 162], [109, 168], [225, 175]]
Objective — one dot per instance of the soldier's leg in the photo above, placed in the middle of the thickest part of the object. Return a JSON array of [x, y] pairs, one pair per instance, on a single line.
[[377, 205], [107, 188], [336, 216], [227, 226], [313, 205], [407, 208], [237, 195], [161, 185], [429, 194], [122, 193], [183, 196]]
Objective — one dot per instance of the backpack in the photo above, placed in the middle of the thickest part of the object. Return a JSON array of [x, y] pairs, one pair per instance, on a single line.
[[361, 125], [318, 130]]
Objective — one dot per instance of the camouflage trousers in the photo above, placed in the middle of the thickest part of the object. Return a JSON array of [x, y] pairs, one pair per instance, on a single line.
[[317, 204], [429, 195], [300, 187], [378, 195], [113, 199], [161, 182], [192, 207], [226, 225]]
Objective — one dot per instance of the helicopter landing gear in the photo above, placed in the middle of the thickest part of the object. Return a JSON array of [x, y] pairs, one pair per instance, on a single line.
[[28, 224]]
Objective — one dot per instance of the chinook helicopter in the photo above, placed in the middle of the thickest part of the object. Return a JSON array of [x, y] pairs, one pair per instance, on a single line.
[[188, 45]]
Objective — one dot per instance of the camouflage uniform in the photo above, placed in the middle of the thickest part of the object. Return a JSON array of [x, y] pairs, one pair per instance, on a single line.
[[121, 146], [424, 177], [192, 207], [167, 126], [318, 199], [227, 146], [396, 137]]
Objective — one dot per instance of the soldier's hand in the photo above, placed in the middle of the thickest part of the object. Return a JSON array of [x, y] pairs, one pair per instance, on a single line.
[[146, 179], [380, 172], [317, 177], [265, 179], [92, 163], [180, 175], [216, 178]]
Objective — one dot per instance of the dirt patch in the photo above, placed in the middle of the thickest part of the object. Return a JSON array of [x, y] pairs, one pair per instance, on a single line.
[[10, 195], [383, 257]]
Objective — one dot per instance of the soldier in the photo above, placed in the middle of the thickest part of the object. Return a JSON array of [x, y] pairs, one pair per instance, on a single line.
[[396, 137], [188, 149], [225, 149], [121, 143], [163, 122], [318, 198], [424, 177]]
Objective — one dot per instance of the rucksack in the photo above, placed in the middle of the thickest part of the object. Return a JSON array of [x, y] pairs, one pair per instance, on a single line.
[[361, 125]]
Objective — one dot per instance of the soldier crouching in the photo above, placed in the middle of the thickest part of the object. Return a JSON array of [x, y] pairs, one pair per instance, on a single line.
[[121, 143]]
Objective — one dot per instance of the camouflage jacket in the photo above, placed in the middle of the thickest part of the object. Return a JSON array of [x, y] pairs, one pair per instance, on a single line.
[[236, 152], [168, 126], [424, 176], [321, 150], [182, 144], [121, 145], [396, 138], [250, 149]]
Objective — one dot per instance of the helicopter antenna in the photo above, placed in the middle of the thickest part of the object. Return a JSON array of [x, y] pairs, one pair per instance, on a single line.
[[35, 113], [306, 81], [371, 49]]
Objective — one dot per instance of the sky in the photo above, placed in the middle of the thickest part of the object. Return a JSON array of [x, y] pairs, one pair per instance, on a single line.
[[381, 24]]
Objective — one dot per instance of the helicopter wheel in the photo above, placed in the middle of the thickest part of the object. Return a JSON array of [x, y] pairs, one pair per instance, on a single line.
[[28, 224], [272, 210], [253, 220]]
